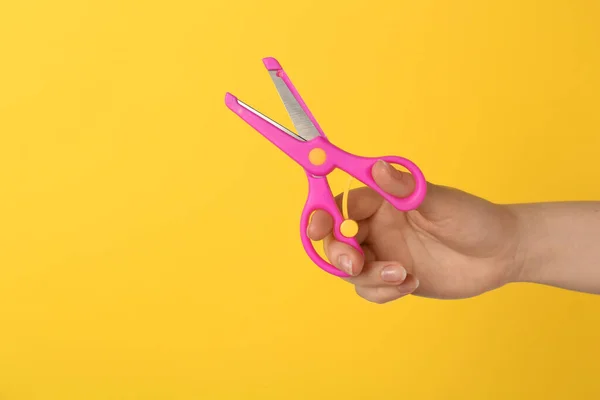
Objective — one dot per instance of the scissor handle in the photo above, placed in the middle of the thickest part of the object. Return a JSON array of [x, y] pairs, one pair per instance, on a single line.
[[321, 198], [361, 169], [319, 157], [322, 157]]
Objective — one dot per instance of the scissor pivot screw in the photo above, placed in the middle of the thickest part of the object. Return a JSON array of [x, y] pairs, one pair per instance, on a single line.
[[317, 156], [349, 228]]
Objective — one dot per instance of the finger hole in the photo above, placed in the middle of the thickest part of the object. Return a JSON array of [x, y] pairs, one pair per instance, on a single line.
[[393, 178]]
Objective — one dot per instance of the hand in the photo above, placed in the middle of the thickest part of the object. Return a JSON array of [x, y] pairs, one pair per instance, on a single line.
[[455, 245]]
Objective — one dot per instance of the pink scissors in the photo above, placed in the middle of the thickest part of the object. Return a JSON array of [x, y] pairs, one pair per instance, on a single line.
[[310, 148]]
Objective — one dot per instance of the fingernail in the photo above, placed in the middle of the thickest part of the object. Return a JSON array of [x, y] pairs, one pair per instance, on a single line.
[[406, 288], [393, 171], [345, 263], [393, 273]]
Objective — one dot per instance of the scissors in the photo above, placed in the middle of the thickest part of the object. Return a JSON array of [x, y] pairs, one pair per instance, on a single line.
[[310, 148]]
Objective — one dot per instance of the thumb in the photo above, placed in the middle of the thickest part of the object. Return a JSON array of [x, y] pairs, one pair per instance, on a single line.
[[401, 184]]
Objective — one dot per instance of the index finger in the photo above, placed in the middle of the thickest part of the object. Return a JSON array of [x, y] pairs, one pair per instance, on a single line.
[[362, 203]]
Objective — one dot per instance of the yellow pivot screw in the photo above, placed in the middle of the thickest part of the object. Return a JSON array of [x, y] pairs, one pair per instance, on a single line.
[[317, 156]]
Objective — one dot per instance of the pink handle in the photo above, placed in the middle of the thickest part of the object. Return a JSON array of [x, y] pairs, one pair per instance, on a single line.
[[321, 198], [360, 168]]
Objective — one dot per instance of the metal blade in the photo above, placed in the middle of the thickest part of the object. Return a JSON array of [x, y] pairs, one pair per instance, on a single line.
[[260, 115], [302, 123]]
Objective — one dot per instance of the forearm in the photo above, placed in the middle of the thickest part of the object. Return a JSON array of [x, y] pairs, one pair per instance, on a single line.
[[560, 244]]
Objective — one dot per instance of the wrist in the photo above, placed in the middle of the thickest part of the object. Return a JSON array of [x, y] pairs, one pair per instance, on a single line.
[[529, 249], [558, 244]]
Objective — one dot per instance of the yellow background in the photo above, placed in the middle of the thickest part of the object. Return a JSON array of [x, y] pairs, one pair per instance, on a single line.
[[149, 238]]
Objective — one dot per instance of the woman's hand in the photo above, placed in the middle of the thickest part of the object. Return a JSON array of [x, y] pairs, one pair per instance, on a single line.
[[455, 245]]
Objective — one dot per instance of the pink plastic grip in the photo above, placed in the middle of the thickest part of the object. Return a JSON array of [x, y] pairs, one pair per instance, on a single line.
[[361, 167], [321, 198]]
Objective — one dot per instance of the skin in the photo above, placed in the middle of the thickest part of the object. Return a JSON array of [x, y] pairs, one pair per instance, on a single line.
[[457, 245]]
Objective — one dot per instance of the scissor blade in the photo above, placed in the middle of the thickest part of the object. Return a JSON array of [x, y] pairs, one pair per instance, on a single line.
[[269, 120], [301, 121]]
